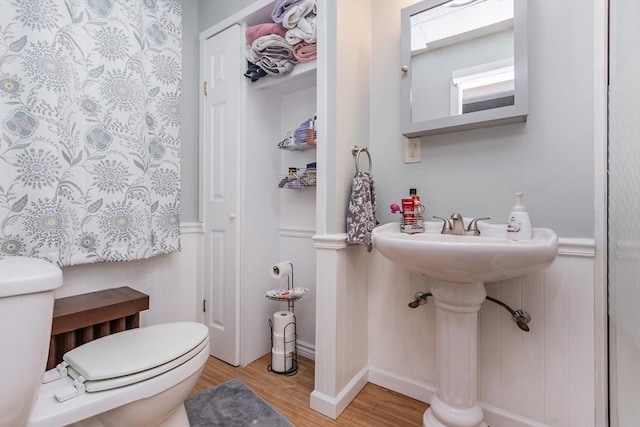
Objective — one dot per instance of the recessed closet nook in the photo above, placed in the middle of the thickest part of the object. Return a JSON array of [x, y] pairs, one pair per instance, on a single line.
[[251, 222]]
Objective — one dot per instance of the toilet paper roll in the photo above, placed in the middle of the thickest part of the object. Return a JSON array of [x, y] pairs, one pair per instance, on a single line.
[[280, 321], [281, 269], [284, 343], [280, 361]]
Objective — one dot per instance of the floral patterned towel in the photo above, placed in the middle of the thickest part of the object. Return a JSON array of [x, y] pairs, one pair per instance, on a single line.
[[361, 216]]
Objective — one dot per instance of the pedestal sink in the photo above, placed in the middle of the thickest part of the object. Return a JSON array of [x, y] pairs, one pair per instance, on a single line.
[[462, 264]]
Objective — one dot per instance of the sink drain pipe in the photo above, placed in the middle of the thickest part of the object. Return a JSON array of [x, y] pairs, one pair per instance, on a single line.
[[520, 317]]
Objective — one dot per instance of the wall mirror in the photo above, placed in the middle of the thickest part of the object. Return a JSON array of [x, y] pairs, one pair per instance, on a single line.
[[464, 65]]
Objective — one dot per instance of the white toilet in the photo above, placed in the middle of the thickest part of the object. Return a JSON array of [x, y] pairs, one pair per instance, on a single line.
[[138, 377]]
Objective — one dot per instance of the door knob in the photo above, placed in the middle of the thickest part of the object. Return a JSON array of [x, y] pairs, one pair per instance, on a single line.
[[232, 215]]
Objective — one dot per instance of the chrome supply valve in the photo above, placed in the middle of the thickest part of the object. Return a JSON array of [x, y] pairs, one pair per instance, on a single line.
[[420, 298], [456, 225]]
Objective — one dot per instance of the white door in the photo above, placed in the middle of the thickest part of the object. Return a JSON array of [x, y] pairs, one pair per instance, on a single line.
[[223, 76]]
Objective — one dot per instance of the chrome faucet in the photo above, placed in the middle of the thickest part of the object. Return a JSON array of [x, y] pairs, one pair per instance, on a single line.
[[456, 225]]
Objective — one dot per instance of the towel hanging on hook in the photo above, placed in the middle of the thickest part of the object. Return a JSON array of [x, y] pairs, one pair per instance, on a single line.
[[361, 213]]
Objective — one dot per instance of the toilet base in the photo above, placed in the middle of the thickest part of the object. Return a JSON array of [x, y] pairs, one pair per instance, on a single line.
[[178, 418]]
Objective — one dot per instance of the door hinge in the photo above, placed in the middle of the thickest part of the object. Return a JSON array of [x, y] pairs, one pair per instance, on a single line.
[[204, 88], [204, 305]]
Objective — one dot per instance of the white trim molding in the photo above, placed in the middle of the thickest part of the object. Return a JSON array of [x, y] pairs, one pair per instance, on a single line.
[[306, 349], [330, 241], [333, 406], [296, 233], [576, 247], [191, 228]]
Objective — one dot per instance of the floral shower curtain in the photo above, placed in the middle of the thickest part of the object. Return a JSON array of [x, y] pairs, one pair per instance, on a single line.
[[90, 116]]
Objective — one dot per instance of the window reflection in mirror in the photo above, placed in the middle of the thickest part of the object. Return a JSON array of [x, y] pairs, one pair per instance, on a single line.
[[462, 58]]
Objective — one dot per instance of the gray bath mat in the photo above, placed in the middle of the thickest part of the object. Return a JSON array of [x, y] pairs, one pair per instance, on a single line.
[[232, 404]]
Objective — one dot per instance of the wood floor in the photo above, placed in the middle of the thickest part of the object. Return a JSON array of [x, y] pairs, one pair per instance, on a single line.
[[374, 405]]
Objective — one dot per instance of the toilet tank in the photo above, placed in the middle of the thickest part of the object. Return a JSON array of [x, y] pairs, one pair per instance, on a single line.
[[26, 308]]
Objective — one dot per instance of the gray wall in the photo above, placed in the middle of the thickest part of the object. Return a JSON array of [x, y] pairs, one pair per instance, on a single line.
[[210, 12], [476, 172], [189, 129]]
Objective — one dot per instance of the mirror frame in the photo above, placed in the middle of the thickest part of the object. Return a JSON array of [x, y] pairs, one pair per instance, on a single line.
[[493, 117]]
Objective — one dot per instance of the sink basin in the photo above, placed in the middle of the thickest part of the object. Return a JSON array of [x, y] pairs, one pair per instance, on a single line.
[[466, 259]]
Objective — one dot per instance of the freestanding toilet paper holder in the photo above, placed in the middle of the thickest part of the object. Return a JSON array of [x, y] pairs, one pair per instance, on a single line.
[[284, 362], [280, 365]]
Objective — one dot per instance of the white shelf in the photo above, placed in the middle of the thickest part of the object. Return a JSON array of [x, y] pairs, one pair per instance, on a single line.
[[303, 76]]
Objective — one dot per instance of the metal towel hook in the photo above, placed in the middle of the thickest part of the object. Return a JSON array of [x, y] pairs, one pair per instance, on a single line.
[[356, 151]]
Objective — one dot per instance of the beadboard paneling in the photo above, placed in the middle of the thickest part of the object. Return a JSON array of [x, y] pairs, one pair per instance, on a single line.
[[341, 321], [297, 246]]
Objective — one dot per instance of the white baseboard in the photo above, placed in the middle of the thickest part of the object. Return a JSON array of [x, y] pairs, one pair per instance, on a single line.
[[415, 389], [306, 350], [423, 392], [333, 407]]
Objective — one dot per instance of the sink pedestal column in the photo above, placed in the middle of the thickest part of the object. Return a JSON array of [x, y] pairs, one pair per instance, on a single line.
[[455, 402]]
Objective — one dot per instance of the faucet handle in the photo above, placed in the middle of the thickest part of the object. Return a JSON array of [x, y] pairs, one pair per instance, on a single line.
[[473, 226], [446, 224]]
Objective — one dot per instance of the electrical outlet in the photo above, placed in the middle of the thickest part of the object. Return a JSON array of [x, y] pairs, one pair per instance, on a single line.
[[412, 150]]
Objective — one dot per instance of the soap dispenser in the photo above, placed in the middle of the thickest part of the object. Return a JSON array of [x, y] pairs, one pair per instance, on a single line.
[[519, 223]]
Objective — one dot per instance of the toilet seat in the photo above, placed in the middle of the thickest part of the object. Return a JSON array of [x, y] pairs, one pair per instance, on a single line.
[[135, 355], [129, 357], [109, 383]]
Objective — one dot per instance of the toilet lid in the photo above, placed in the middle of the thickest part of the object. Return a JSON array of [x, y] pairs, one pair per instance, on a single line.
[[136, 354]]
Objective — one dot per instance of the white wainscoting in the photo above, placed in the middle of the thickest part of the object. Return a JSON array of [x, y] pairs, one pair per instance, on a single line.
[[296, 245], [542, 377], [341, 324], [169, 280]]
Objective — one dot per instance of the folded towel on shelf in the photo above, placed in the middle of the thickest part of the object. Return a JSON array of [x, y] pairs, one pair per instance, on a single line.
[[256, 31], [254, 72], [272, 54], [281, 7], [272, 45], [276, 67], [298, 12], [305, 31], [361, 214], [305, 52]]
